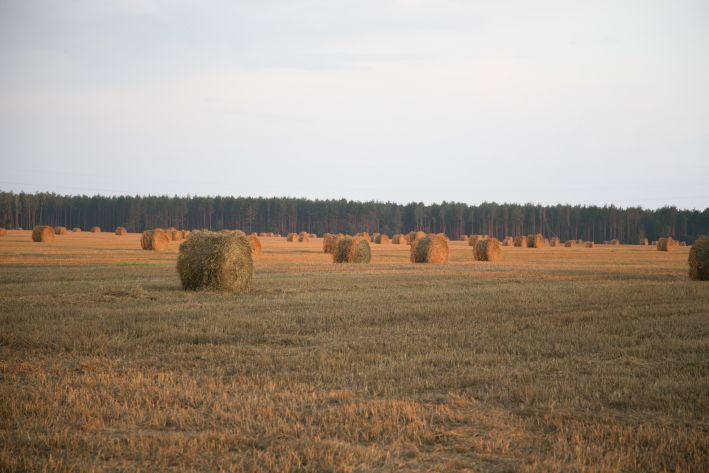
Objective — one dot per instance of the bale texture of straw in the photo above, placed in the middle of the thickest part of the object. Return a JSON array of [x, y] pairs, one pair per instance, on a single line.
[[352, 250], [554, 241], [614, 242], [521, 241], [76, 230], [429, 249], [3, 232], [365, 235], [666, 244], [699, 260], [535, 241], [398, 239], [95, 229], [43, 234], [121, 231], [304, 237], [175, 235], [155, 240], [381, 239], [413, 236], [487, 249], [473, 240], [589, 244], [292, 237], [508, 241], [255, 245], [216, 261], [570, 244], [463, 237], [60, 230], [644, 242]]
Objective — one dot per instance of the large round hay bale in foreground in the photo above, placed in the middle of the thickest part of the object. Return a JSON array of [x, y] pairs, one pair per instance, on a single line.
[[535, 241], [216, 261], [255, 245], [488, 249], [699, 260], [95, 229], [60, 230], [666, 244], [429, 249], [352, 250], [381, 239], [521, 241], [3, 232], [43, 234], [155, 240], [121, 231]]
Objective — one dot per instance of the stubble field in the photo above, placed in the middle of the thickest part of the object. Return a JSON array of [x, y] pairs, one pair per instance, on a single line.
[[554, 359]]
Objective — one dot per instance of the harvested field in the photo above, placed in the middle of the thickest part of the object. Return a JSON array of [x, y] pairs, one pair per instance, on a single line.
[[553, 359]]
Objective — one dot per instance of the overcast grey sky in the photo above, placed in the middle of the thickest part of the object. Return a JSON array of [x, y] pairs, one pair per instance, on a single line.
[[592, 102]]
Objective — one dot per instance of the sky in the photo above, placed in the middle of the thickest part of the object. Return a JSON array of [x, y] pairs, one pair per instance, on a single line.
[[571, 102]]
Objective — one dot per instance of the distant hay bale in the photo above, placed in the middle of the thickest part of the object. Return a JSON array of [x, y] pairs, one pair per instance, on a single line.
[[155, 240], [666, 244], [255, 245], [329, 242], [398, 239], [488, 249], [508, 241], [413, 236], [521, 241], [643, 242], [381, 239], [473, 240], [304, 238], [171, 229], [3, 232], [95, 229], [352, 250], [682, 243], [570, 244], [43, 234], [121, 231], [60, 230], [589, 244], [580, 242], [185, 234], [554, 241], [614, 242], [292, 237], [262, 234], [535, 241], [699, 260], [313, 235], [216, 261], [76, 230], [463, 237], [175, 235], [366, 236], [429, 249], [654, 243]]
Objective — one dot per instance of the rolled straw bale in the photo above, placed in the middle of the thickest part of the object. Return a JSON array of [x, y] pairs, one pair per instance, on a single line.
[[473, 240], [255, 245], [614, 242], [682, 243], [60, 230], [508, 241], [121, 231], [429, 249], [699, 260], [643, 242], [76, 230], [580, 242], [175, 235], [292, 237], [155, 240], [366, 236], [95, 229], [329, 243], [216, 261], [352, 250], [488, 249], [521, 241], [666, 244], [589, 244], [570, 244], [413, 236], [398, 239], [535, 241], [303, 237], [554, 241], [3, 232], [381, 239], [463, 237], [185, 234], [43, 234]]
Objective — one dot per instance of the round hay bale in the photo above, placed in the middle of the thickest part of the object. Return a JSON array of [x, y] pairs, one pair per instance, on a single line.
[[413, 236], [473, 240], [43, 234], [381, 239], [614, 242], [429, 249], [255, 245], [292, 237], [121, 231], [508, 241], [589, 244], [535, 241], [175, 235], [185, 234], [352, 250], [95, 229], [76, 230], [570, 244], [682, 243], [521, 241], [3, 232], [699, 260], [365, 235], [666, 244], [463, 237], [554, 241], [329, 243], [644, 242], [155, 240], [398, 239], [488, 249], [60, 230], [303, 238], [580, 242], [216, 261]]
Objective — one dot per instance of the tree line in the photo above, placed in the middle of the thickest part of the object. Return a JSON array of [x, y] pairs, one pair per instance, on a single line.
[[284, 215]]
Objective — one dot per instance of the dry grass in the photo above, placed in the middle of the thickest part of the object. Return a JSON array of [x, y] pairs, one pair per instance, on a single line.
[[553, 360]]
